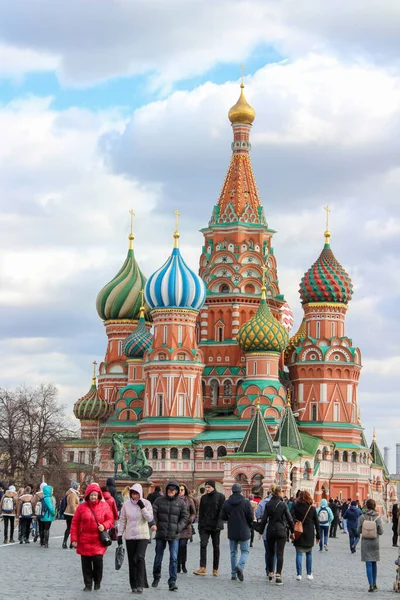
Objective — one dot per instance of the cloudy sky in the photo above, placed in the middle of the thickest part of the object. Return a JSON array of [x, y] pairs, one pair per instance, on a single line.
[[108, 105]]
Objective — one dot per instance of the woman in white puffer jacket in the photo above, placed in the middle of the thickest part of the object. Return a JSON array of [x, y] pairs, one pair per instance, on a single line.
[[136, 513]]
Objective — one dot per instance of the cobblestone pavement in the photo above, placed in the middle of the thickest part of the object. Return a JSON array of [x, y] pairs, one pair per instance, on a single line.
[[31, 571]]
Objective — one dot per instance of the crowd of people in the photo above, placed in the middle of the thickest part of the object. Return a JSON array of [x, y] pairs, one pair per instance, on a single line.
[[95, 516]]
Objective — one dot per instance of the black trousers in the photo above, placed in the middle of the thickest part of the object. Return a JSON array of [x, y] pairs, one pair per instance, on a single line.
[[92, 569], [45, 532], [182, 551], [8, 520], [279, 549], [394, 529], [68, 521], [334, 526], [40, 531], [204, 537], [25, 528], [136, 550]]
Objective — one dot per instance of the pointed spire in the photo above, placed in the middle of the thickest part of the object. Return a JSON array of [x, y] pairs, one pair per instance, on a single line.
[[288, 430], [377, 457], [257, 438], [176, 232], [94, 380], [327, 232], [131, 237]]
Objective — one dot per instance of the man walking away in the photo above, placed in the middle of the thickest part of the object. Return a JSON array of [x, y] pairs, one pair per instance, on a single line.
[[170, 517], [343, 509], [239, 513], [325, 518], [351, 515], [210, 524], [335, 511], [259, 515]]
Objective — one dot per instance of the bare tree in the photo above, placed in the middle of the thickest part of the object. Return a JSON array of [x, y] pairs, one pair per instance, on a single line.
[[32, 428]]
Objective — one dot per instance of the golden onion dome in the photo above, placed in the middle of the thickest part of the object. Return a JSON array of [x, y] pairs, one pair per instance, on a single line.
[[242, 112]]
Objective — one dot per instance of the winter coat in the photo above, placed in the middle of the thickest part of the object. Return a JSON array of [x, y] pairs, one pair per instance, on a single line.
[[186, 532], [310, 523], [370, 548], [324, 506], [352, 514], [49, 505], [112, 504], [153, 496], [335, 509], [14, 496], [84, 529], [72, 502], [133, 523], [239, 513], [209, 512], [21, 500], [260, 512], [278, 517], [170, 515]]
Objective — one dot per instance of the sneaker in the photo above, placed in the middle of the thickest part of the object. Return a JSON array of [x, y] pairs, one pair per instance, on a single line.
[[310, 577], [215, 572], [201, 571], [173, 587], [155, 583], [375, 586], [239, 573], [371, 588], [64, 545], [298, 577], [270, 576], [184, 569], [87, 589], [326, 548], [278, 581]]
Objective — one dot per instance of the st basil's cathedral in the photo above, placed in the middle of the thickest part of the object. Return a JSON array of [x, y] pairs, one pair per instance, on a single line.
[[201, 372]]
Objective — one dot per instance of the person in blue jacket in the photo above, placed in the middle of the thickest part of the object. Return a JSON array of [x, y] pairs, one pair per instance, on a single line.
[[48, 512], [325, 518], [352, 514]]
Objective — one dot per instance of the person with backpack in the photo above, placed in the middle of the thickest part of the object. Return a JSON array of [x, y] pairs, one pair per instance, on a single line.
[[352, 515], [278, 518], [48, 513], [325, 518], [71, 503], [9, 512], [37, 528], [370, 528], [25, 514], [304, 512]]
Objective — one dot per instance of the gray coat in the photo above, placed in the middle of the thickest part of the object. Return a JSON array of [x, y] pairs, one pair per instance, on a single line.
[[370, 548]]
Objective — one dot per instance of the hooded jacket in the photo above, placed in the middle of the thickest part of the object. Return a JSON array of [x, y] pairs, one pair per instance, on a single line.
[[187, 533], [239, 513], [324, 506], [10, 494], [110, 483], [84, 529], [170, 514], [133, 522], [352, 514], [209, 511], [48, 502], [111, 503], [72, 502]]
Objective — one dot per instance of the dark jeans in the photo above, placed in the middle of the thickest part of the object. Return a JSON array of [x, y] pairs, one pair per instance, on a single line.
[[395, 536], [45, 527], [40, 530], [204, 537], [354, 538], [173, 557], [334, 526], [8, 520], [136, 550], [68, 521], [251, 535], [280, 541], [324, 532], [92, 569], [25, 528], [266, 557], [182, 551]]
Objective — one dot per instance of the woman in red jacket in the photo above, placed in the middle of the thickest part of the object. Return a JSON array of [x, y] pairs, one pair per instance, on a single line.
[[85, 535]]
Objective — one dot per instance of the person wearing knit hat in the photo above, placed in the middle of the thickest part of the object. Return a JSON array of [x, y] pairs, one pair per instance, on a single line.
[[237, 511], [8, 512], [210, 525]]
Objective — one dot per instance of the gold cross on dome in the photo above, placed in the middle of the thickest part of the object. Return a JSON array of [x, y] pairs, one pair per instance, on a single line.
[[176, 213], [94, 373], [243, 69], [328, 210], [142, 294], [264, 270], [132, 215]]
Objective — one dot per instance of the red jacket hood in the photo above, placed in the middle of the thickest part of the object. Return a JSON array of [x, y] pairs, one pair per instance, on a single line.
[[93, 487]]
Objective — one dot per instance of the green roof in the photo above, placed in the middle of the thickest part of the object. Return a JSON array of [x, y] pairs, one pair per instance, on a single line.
[[350, 446], [163, 443], [217, 436], [288, 432], [257, 438], [377, 457]]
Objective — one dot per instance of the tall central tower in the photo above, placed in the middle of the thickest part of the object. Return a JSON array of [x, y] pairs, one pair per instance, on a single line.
[[237, 247]]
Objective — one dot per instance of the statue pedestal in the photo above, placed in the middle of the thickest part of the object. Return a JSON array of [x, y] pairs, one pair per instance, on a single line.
[[147, 485]]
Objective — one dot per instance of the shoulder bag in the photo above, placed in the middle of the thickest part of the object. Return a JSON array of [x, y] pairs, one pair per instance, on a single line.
[[105, 539], [298, 526]]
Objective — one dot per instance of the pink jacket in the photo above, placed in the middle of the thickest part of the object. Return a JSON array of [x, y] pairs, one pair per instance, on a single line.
[[133, 521]]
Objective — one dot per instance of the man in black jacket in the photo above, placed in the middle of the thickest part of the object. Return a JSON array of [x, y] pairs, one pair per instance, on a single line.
[[154, 495], [239, 513], [335, 511], [210, 524], [170, 517]]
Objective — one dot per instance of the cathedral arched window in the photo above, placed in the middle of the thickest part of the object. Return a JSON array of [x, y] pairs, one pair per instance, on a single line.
[[345, 456], [146, 452], [208, 453], [186, 454], [221, 451], [203, 388], [214, 385], [354, 457], [224, 289], [154, 454], [336, 456], [227, 388], [163, 453], [174, 453]]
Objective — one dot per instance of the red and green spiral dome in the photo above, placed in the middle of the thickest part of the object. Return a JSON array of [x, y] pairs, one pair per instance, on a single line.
[[326, 281]]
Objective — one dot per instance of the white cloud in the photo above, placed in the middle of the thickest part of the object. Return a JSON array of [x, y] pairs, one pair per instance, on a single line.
[[16, 61]]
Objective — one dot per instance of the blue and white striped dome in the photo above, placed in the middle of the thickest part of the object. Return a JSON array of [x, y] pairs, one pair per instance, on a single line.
[[174, 285]]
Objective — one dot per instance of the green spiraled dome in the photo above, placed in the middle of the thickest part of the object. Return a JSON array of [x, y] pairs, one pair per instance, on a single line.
[[136, 344], [120, 298], [92, 406], [263, 333]]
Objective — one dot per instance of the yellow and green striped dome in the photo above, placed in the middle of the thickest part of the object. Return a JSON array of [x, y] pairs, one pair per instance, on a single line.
[[263, 333], [92, 406], [120, 298]]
